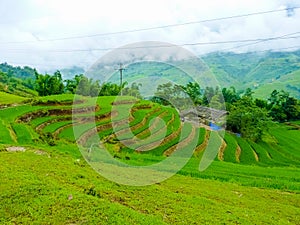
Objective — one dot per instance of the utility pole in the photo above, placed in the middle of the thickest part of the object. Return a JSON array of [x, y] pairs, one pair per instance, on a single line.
[[121, 76]]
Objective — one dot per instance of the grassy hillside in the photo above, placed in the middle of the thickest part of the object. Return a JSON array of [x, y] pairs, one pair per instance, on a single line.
[[50, 182], [263, 72], [44, 186], [252, 69], [289, 82], [53, 114], [7, 99], [17, 71]]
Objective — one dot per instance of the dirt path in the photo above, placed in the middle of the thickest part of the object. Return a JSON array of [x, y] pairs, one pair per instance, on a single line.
[[238, 153], [255, 155], [26, 118], [204, 144], [222, 150]]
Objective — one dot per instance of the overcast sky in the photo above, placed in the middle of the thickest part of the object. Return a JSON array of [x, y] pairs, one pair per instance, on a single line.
[[33, 31]]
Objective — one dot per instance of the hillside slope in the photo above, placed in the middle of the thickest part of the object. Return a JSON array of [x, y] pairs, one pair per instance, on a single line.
[[252, 69], [53, 114], [9, 99], [262, 72], [49, 181], [289, 82]]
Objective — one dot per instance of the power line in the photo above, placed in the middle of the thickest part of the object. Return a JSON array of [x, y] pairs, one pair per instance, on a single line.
[[154, 28], [256, 40], [278, 49], [264, 40], [52, 64]]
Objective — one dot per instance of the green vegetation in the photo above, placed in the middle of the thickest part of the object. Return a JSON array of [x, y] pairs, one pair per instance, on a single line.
[[247, 154], [5, 135], [289, 82], [262, 72], [231, 147], [22, 133], [58, 189], [17, 72], [253, 180], [7, 99], [53, 184], [16, 81]]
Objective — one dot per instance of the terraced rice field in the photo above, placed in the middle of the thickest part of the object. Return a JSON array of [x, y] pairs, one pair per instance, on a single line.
[[132, 127], [248, 183], [10, 99]]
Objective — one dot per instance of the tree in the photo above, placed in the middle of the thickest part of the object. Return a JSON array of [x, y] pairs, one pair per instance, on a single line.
[[3, 77], [84, 84], [230, 95], [291, 108], [72, 84], [94, 88], [110, 89], [261, 103], [164, 94], [41, 82], [134, 90], [208, 94], [282, 107], [194, 91], [248, 93], [56, 85], [49, 85], [248, 119]]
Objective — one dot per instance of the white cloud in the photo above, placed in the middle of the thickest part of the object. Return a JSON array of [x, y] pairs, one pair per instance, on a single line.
[[40, 20]]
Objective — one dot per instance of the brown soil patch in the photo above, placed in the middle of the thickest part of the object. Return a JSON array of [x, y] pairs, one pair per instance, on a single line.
[[255, 155], [124, 102], [15, 149], [181, 144], [56, 112], [238, 153], [222, 150], [204, 144]]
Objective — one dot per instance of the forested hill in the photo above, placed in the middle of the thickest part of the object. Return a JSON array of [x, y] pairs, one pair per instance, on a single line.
[[17, 71], [17, 80], [263, 72]]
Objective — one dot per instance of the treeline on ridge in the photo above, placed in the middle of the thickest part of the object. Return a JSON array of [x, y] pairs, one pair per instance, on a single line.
[[247, 115]]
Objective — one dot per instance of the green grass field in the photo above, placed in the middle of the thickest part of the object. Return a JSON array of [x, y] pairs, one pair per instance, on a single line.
[[288, 82], [55, 185], [63, 190], [7, 99]]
